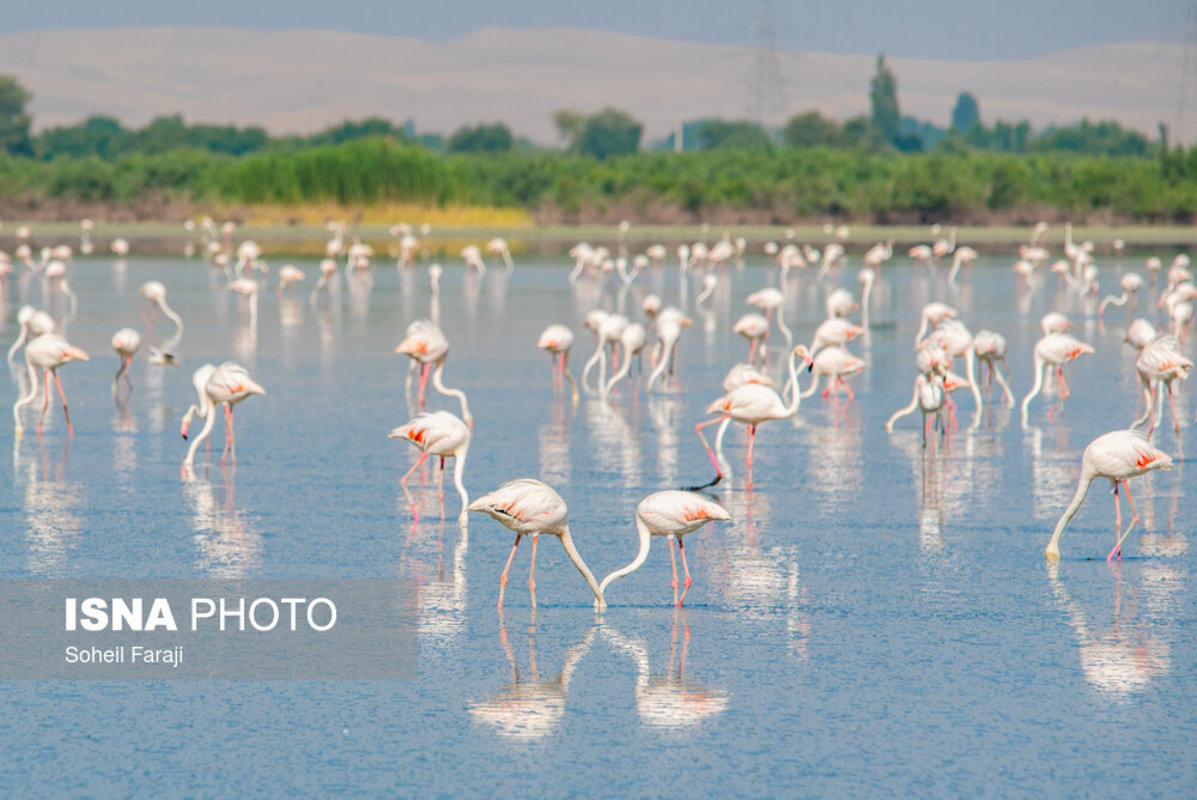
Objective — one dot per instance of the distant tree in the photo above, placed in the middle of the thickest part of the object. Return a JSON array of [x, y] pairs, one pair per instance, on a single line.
[[97, 135], [14, 122], [717, 134], [811, 129], [883, 100], [966, 114], [359, 129], [569, 126], [610, 132], [481, 139]]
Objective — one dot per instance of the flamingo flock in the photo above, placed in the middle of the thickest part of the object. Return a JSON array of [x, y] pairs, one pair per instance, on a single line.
[[629, 323]]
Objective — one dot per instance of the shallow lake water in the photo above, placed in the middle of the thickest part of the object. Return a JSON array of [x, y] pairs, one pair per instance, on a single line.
[[876, 617]]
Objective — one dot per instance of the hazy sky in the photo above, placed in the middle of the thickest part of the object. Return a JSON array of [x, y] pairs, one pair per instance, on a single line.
[[946, 29]]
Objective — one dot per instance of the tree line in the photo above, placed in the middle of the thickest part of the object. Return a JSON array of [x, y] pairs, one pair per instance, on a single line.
[[882, 166]]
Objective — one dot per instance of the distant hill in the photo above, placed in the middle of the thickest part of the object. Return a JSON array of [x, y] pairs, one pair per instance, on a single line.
[[300, 81]]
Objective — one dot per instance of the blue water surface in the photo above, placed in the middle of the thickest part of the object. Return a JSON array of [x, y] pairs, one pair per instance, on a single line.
[[877, 619]]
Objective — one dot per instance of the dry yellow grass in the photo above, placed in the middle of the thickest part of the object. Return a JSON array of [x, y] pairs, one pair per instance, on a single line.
[[382, 215]]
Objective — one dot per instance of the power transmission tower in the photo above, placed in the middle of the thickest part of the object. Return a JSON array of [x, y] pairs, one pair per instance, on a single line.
[[765, 83]]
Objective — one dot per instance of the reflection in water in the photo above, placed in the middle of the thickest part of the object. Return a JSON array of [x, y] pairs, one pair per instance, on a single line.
[[665, 413], [1054, 470], [228, 544], [669, 700], [529, 707], [124, 451], [441, 591], [553, 440], [51, 504], [1124, 657], [617, 444]]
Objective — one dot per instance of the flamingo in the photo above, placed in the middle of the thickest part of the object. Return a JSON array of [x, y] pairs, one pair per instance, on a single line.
[[328, 269], [557, 340], [990, 348], [248, 287], [532, 508], [287, 275], [155, 294], [1130, 283], [125, 342], [964, 256], [943, 247], [751, 404], [956, 340], [498, 246], [929, 397], [426, 344], [632, 339], [473, 258], [833, 332], [119, 247], [610, 328], [1160, 362], [34, 323], [673, 514], [839, 303], [47, 352], [1116, 456], [1054, 322], [754, 328], [867, 278], [922, 254], [199, 380], [229, 384], [837, 364], [931, 315], [770, 300], [1053, 350], [442, 434], [1139, 333], [669, 326]]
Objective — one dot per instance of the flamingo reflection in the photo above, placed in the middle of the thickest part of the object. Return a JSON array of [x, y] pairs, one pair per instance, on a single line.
[[228, 544], [669, 701], [530, 708]]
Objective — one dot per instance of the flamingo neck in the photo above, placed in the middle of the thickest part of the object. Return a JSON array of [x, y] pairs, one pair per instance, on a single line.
[[458, 470], [663, 364], [641, 556], [209, 421], [567, 541], [792, 386], [439, 385], [1040, 369], [1082, 489], [624, 368]]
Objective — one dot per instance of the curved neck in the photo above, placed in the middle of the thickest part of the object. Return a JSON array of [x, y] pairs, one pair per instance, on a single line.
[[175, 318], [458, 469], [12, 351], [1040, 368], [795, 398], [970, 364], [1082, 489], [624, 368], [637, 562], [781, 324], [663, 364], [567, 542], [209, 421], [458, 393]]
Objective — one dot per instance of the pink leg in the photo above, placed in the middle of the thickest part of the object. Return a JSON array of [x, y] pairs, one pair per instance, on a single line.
[[403, 482], [1117, 551], [1064, 392], [681, 548], [714, 461], [1175, 419], [751, 442], [506, 567], [752, 352], [673, 565], [45, 400], [425, 369], [532, 571], [65, 412]]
